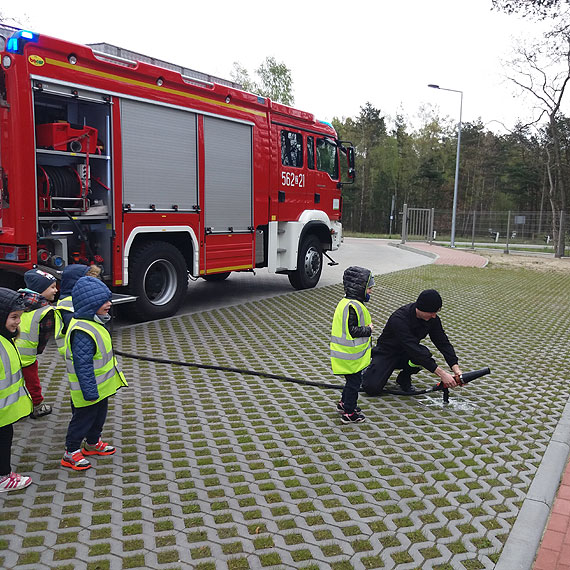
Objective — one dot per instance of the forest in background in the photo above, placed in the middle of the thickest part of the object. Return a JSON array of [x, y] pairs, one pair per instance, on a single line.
[[417, 167]]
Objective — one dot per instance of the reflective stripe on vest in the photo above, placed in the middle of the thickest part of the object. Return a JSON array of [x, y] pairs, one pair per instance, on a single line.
[[349, 355], [28, 339], [15, 401], [65, 304], [107, 374]]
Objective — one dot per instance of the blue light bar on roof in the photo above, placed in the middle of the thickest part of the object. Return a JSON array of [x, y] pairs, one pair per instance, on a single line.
[[18, 40]]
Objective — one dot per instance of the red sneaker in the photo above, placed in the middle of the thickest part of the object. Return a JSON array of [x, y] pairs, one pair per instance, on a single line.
[[99, 448], [75, 461]]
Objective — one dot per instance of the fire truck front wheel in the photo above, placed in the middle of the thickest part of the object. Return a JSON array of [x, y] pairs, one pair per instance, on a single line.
[[159, 278], [309, 264]]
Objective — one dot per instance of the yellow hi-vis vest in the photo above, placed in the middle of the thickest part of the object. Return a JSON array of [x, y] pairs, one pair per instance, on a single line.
[[15, 401], [65, 304], [28, 340], [107, 374], [349, 355]]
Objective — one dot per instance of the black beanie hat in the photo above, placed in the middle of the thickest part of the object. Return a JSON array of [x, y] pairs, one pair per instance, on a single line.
[[38, 280], [429, 301]]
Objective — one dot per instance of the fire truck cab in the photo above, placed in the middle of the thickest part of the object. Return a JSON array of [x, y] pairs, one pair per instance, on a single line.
[[155, 175]]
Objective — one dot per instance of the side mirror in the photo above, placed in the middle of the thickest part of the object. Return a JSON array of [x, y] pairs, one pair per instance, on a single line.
[[350, 161]]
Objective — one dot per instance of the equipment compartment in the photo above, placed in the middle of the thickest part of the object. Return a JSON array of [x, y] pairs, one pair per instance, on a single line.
[[73, 176]]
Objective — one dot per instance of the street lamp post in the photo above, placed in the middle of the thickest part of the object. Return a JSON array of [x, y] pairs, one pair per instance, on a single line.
[[454, 211]]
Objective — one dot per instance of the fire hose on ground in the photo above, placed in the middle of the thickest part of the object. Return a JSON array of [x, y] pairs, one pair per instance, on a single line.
[[464, 379]]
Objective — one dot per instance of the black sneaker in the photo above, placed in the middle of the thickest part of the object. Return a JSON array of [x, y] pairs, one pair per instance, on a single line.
[[340, 408], [405, 383], [353, 418]]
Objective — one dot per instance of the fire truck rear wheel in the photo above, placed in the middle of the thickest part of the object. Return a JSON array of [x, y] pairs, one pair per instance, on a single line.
[[309, 264], [159, 278]]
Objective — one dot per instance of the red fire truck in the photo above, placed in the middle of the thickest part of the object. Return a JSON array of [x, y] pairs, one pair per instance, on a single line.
[[156, 176]]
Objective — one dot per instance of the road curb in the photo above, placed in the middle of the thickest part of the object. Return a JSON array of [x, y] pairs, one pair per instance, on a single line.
[[524, 539], [434, 256]]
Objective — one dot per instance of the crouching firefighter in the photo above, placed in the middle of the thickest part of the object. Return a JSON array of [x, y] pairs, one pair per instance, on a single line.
[[350, 339], [399, 348]]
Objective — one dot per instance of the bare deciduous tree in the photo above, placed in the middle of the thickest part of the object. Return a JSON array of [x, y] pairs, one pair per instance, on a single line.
[[542, 71]]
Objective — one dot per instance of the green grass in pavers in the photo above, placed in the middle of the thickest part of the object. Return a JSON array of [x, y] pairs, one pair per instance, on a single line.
[[64, 553], [29, 558], [301, 555], [167, 556], [440, 532], [389, 541], [131, 545], [342, 565], [491, 524], [377, 526], [430, 552], [99, 565], [401, 558], [36, 526], [472, 564], [324, 534], [232, 548], [27, 542], [136, 561], [361, 546], [351, 530], [371, 562], [238, 564], [100, 549], [66, 537], [330, 550], [270, 559]]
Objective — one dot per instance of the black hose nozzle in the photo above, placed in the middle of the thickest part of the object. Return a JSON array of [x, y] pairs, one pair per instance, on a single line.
[[466, 377]]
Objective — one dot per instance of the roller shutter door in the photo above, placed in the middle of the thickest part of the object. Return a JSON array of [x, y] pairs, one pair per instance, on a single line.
[[159, 156]]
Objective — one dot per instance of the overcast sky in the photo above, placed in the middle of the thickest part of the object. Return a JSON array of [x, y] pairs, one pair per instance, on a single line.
[[341, 53]]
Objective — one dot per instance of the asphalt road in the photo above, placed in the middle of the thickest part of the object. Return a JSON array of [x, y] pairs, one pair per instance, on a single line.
[[376, 255]]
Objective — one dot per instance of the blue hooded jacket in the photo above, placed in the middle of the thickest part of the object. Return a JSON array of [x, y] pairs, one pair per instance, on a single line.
[[69, 278], [89, 294]]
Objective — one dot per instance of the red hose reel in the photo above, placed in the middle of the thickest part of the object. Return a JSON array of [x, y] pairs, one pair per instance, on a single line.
[[61, 187]]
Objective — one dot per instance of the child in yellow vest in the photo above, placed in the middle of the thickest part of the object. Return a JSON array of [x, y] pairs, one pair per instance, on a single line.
[[350, 339], [92, 371], [15, 401], [37, 326]]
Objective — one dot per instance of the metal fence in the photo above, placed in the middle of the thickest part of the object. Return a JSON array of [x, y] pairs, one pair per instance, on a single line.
[[510, 228], [522, 227]]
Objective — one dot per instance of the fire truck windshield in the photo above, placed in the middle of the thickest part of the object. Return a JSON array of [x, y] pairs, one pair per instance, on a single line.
[[327, 157]]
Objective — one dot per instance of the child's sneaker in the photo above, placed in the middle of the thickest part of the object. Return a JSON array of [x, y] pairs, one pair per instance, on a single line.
[[99, 448], [14, 482], [353, 418], [75, 460], [340, 408], [40, 410]]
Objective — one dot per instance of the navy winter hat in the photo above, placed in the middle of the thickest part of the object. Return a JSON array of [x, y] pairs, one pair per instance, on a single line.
[[38, 280], [429, 301]]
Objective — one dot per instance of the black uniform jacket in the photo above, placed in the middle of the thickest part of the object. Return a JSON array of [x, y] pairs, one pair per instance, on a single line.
[[402, 335]]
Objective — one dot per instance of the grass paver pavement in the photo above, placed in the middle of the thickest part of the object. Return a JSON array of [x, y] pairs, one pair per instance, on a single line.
[[222, 470]]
